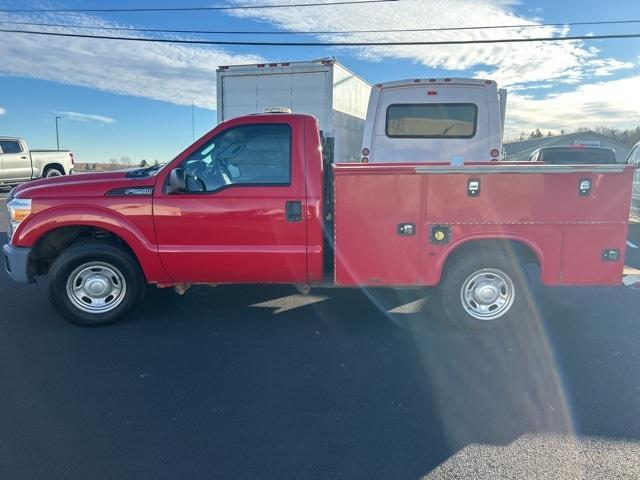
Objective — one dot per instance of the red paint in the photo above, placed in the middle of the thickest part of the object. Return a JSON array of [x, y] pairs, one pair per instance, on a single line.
[[239, 234], [541, 210]]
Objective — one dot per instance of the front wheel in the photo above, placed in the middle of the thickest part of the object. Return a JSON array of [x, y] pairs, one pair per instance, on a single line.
[[95, 283], [485, 290]]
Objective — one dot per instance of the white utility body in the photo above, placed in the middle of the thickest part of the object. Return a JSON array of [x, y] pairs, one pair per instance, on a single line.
[[323, 88], [441, 120]]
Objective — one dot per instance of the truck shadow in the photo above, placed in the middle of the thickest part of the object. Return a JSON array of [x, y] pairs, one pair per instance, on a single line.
[[380, 372]]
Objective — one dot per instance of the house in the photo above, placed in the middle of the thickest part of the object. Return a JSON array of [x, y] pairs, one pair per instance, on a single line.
[[520, 151]]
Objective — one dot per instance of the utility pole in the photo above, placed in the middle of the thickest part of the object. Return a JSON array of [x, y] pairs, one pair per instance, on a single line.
[[57, 135]]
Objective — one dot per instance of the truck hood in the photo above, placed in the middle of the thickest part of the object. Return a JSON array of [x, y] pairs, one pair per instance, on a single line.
[[79, 185]]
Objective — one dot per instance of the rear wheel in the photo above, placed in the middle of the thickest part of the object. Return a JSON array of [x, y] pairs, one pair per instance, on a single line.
[[52, 171], [485, 290], [95, 283]]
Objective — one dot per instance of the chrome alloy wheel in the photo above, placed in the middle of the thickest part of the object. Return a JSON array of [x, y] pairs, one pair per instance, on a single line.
[[96, 287], [487, 294], [53, 173]]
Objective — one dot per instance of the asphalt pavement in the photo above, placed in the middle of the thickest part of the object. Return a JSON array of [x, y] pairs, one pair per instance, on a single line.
[[260, 382]]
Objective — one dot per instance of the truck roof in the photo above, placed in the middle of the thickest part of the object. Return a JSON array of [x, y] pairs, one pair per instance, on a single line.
[[436, 81]]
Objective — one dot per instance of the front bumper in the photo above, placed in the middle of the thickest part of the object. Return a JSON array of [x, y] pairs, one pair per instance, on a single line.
[[16, 262]]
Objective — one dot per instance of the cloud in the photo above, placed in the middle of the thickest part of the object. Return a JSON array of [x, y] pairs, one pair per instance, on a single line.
[[86, 117], [2, 111], [605, 68], [509, 64], [595, 104], [171, 73]]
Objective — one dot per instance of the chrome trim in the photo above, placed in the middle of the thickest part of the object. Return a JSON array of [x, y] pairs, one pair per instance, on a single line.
[[96, 287], [439, 169], [487, 294]]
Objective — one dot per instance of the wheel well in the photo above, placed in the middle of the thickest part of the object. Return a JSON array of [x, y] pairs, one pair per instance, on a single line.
[[49, 166], [515, 249], [54, 242]]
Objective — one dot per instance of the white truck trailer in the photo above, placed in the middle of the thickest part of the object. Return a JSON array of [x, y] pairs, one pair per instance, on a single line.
[[337, 97]]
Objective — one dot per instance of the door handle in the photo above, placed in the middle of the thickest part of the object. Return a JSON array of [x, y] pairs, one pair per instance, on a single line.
[[293, 211], [23, 157]]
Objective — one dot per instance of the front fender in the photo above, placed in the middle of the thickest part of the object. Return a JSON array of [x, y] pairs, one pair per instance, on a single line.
[[37, 226]]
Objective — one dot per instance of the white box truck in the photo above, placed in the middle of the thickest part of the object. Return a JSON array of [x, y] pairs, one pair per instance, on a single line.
[[337, 97]]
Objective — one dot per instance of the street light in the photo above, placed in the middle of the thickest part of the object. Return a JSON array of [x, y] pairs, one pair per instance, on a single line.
[[57, 136]]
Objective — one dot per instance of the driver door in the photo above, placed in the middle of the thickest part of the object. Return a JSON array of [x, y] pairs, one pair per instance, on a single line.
[[240, 219]]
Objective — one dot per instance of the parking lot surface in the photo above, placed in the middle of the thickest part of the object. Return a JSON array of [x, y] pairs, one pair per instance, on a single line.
[[261, 382]]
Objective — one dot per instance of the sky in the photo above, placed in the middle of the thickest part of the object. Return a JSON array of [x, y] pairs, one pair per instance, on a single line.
[[134, 99]]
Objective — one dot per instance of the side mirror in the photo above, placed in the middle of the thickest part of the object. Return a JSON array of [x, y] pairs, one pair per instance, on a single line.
[[177, 181]]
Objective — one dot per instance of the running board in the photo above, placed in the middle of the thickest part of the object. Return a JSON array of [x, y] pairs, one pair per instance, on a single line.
[[630, 276]]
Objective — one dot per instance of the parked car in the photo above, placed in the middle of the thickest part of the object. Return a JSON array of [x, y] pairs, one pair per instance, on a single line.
[[574, 154], [634, 159], [19, 164], [253, 202]]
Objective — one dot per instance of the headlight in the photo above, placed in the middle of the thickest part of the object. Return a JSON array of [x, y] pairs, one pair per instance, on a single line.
[[19, 209]]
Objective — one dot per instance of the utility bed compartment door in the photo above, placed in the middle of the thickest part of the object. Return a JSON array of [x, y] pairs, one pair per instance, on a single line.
[[368, 212], [582, 254]]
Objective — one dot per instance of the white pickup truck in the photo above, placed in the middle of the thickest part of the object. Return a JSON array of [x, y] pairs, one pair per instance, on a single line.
[[19, 164]]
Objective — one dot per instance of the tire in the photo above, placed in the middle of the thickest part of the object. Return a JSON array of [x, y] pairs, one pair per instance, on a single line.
[[485, 290], [95, 283], [52, 171]]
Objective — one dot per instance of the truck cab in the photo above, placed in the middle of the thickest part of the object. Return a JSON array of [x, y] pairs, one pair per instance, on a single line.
[[244, 204], [451, 119]]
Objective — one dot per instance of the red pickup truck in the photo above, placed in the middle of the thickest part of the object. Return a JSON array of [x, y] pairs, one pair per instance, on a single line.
[[253, 201]]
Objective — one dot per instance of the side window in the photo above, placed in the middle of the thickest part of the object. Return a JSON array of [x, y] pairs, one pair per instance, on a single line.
[[10, 146], [432, 120], [634, 156], [246, 155]]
